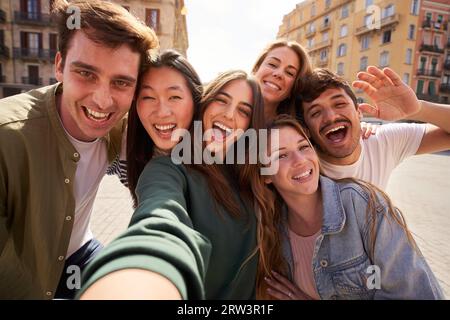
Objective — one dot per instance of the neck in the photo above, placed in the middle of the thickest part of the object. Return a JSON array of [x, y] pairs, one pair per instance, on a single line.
[[270, 110], [344, 161], [305, 213]]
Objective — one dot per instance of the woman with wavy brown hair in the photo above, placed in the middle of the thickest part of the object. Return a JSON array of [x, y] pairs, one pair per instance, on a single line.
[[331, 239], [193, 234]]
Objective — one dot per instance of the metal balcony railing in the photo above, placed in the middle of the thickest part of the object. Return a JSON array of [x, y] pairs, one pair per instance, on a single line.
[[429, 73], [31, 17], [32, 80], [431, 48], [34, 54], [4, 51]]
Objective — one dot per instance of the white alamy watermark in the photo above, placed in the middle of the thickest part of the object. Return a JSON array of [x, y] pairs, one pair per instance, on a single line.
[[374, 280], [241, 147], [74, 20]]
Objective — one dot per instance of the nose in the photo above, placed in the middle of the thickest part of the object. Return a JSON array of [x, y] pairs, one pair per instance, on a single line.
[[277, 73], [102, 97], [329, 115], [229, 112], [298, 158], [163, 110]]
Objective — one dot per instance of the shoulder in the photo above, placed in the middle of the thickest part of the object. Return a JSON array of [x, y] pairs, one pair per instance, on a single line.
[[357, 194], [26, 106], [394, 129]]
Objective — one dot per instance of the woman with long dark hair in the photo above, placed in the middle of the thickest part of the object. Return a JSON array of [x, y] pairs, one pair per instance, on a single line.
[[193, 234]]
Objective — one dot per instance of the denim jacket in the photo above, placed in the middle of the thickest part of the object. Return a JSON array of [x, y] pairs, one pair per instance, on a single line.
[[341, 264]]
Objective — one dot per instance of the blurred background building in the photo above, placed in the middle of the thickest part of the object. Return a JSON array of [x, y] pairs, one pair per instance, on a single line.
[[410, 36], [29, 41]]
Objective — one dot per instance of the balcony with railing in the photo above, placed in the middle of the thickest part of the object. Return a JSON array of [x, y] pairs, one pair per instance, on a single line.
[[2, 16], [428, 97], [35, 54], [430, 48], [444, 87], [32, 80], [321, 45], [380, 24], [35, 18], [447, 65], [434, 25], [4, 51], [323, 62], [429, 73], [310, 33], [325, 26]]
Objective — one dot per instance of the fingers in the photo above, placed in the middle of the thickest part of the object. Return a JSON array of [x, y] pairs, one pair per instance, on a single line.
[[369, 78], [284, 281], [368, 129], [369, 109], [396, 80], [366, 87], [380, 75], [277, 290]]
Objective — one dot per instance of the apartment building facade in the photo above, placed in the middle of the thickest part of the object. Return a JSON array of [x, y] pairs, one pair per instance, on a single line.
[[348, 35], [432, 54], [29, 40]]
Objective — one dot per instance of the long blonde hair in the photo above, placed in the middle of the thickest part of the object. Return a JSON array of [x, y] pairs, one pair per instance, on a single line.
[[269, 207]]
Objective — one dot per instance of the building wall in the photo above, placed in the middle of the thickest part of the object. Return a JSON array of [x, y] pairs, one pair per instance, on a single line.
[[397, 20], [17, 63], [433, 44]]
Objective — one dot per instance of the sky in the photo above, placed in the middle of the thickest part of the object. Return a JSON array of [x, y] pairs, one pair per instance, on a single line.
[[229, 34]]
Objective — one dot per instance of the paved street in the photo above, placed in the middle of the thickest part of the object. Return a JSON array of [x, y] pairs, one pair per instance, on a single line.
[[419, 187]]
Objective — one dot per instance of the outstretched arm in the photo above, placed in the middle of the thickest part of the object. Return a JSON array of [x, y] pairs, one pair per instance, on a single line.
[[394, 100]]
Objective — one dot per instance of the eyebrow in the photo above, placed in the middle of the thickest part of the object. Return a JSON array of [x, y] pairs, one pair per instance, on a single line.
[[289, 66], [298, 142], [89, 67], [336, 96], [175, 87], [230, 97]]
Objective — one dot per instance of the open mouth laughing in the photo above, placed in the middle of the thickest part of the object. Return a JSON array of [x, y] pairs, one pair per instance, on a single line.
[[165, 130], [97, 116], [220, 131], [303, 176], [336, 134]]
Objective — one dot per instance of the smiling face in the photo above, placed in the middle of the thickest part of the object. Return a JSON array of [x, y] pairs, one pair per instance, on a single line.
[[277, 74], [98, 86], [334, 124], [164, 104], [298, 164], [230, 110]]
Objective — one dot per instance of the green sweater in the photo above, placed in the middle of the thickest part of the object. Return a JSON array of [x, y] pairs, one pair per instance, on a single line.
[[178, 232]]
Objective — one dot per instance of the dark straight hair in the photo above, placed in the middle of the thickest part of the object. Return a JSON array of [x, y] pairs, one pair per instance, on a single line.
[[140, 146]]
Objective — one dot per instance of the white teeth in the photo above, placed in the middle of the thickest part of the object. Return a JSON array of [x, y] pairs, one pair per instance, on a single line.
[[272, 85], [97, 115], [304, 174], [165, 127], [334, 129], [223, 127]]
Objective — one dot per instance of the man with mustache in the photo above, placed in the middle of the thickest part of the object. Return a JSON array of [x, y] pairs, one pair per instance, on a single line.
[[332, 114]]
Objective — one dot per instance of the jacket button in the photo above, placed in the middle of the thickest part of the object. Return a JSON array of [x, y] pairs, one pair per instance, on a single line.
[[61, 258], [66, 180], [323, 263], [48, 293], [68, 218]]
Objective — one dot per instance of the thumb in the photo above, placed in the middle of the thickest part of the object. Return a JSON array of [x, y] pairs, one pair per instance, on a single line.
[[369, 109]]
